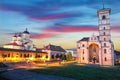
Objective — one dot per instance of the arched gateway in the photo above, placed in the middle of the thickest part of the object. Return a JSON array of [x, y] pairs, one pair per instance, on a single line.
[[93, 53]]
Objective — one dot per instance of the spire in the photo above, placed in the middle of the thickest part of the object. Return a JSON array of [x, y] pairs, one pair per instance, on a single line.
[[26, 29], [26, 32], [103, 4]]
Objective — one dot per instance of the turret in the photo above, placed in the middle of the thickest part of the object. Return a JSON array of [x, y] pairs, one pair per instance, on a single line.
[[14, 38], [26, 34], [19, 38]]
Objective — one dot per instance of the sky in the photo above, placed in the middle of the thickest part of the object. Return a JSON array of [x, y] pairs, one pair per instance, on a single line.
[[57, 22]]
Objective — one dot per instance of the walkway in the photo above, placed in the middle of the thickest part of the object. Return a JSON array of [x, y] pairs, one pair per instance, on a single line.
[[22, 74]]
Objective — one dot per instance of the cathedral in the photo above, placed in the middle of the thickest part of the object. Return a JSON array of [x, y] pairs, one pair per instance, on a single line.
[[98, 49], [21, 41]]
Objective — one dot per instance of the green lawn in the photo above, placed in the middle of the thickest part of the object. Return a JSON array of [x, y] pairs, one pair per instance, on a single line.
[[82, 73]]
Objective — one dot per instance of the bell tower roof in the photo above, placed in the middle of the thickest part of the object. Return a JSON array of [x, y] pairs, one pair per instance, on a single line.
[[103, 10], [26, 31]]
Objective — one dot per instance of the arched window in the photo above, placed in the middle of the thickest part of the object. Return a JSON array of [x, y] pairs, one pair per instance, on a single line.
[[103, 33], [83, 58], [104, 44], [83, 51], [83, 45], [52, 56], [105, 59], [8, 54], [104, 28], [105, 50], [103, 17], [20, 55], [104, 39], [46, 56]]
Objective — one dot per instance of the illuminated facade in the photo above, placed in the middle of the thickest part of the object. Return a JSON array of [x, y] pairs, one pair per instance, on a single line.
[[21, 48], [98, 49], [15, 55], [54, 52], [21, 41]]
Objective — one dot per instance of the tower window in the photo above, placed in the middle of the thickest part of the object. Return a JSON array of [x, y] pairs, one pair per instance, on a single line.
[[105, 59], [104, 39], [104, 33], [104, 44], [83, 51], [105, 50], [104, 28], [83, 45], [83, 58], [103, 17]]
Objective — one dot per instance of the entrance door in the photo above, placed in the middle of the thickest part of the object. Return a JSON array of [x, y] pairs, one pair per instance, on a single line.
[[94, 53]]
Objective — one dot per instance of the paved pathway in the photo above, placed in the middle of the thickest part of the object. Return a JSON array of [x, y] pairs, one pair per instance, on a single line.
[[22, 74]]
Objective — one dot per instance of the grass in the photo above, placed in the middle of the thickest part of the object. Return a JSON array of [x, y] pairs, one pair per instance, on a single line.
[[2, 65], [78, 72]]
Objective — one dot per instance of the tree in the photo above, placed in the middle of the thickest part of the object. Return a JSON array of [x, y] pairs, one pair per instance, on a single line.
[[69, 56]]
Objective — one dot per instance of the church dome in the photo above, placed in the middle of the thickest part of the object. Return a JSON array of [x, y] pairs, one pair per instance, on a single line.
[[26, 32]]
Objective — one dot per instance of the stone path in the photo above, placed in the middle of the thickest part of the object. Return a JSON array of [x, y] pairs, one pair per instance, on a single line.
[[22, 74]]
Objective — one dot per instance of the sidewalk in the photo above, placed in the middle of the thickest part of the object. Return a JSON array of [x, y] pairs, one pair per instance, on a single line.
[[22, 74]]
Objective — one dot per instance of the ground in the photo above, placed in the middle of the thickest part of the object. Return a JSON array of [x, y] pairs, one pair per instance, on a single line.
[[60, 71], [83, 72]]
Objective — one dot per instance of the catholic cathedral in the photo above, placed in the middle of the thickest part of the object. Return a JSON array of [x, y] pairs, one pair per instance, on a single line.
[[98, 49]]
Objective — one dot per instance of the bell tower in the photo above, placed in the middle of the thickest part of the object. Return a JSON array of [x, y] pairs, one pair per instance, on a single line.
[[107, 47], [104, 24]]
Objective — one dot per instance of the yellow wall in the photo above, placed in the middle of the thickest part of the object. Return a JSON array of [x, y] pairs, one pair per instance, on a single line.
[[16, 56]]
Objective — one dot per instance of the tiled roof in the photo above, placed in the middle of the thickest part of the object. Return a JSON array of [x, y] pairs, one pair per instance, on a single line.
[[6, 49], [15, 44], [84, 39], [54, 48]]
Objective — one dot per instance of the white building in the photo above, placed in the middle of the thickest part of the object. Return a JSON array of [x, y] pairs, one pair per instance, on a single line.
[[98, 49], [21, 41], [53, 51]]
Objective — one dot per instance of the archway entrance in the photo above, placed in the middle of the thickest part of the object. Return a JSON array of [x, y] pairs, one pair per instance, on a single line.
[[94, 53]]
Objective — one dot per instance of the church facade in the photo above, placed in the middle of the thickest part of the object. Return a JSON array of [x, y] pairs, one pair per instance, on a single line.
[[98, 49], [21, 41]]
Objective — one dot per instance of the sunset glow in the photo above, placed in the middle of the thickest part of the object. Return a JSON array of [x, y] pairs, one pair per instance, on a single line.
[[59, 22]]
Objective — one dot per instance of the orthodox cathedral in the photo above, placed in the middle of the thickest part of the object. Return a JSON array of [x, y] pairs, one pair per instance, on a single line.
[[98, 49], [21, 41]]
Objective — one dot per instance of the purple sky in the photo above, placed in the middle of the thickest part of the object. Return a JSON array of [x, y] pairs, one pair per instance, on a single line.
[[59, 22]]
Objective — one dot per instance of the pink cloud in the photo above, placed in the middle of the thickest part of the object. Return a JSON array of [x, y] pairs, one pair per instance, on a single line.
[[115, 28], [51, 17], [68, 29], [41, 36]]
